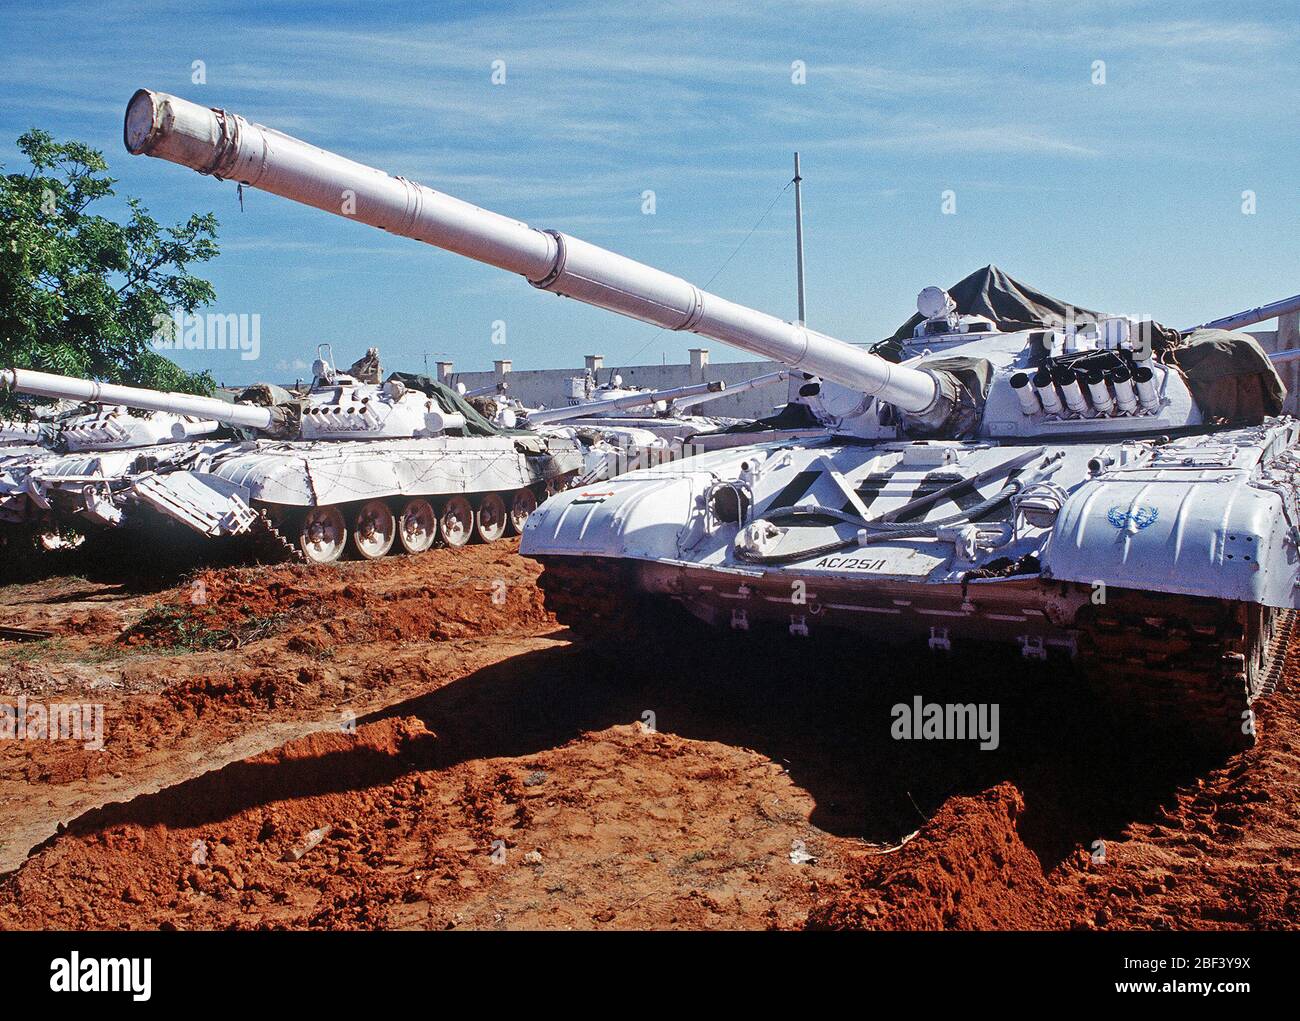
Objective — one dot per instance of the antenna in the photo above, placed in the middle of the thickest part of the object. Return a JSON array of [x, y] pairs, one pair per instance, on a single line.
[[798, 239]]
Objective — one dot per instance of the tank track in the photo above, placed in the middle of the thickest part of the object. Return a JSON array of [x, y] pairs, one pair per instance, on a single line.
[[1189, 668], [270, 544], [597, 598]]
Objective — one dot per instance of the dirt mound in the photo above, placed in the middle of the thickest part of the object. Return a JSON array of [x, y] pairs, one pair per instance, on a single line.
[[233, 660], [219, 841], [326, 762], [440, 594], [966, 868]]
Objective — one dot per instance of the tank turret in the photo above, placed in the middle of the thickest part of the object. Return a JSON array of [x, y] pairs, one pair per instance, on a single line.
[[115, 428], [390, 410]]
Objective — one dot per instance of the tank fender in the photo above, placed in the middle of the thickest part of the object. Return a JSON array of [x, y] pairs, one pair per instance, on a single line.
[[640, 517], [1212, 534]]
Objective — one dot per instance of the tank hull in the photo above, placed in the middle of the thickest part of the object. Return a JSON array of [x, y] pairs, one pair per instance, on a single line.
[[1145, 523], [293, 489], [313, 474], [1187, 537]]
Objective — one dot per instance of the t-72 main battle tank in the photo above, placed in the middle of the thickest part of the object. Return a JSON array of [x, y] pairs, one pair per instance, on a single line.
[[404, 461], [60, 484], [1097, 486]]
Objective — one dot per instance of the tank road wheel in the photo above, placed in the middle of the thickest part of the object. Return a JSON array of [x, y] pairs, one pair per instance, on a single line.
[[324, 534], [373, 529], [418, 526], [457, 521], [490, 519], [522, 504]]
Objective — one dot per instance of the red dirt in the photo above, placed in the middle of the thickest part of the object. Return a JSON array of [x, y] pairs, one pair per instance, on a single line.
[[967, 868], [384, 745], [1220, 852]]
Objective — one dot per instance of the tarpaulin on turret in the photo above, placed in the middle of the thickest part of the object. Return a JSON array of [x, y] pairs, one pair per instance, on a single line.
[[1230, 376], [1013, 305]]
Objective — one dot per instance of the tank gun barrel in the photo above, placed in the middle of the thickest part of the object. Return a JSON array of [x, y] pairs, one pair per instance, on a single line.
[[227, 146], [47, 384], [485, 391], [636, 400], [1251, 315], [745, 385]]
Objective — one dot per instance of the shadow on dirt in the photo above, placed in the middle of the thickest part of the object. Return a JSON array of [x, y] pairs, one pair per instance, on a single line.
[[135, 560], [821, 709], [825, 712]]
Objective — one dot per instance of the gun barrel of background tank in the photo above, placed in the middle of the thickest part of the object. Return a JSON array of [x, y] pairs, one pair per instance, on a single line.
[[636, 400], [1252, 315], [491, 388], [227, 146], [745, 385], [47, 384]]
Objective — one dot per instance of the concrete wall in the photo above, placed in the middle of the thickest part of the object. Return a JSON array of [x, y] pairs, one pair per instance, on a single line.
[[1285, 338], [536, 387]]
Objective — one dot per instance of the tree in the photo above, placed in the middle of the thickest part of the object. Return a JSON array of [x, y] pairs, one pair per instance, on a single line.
[[79, 293]]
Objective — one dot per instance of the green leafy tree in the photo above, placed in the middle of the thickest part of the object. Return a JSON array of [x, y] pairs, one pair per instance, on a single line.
[[80, 294]]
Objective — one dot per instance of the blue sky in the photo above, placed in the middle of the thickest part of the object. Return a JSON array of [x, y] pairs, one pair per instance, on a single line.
[[1125, 196]]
